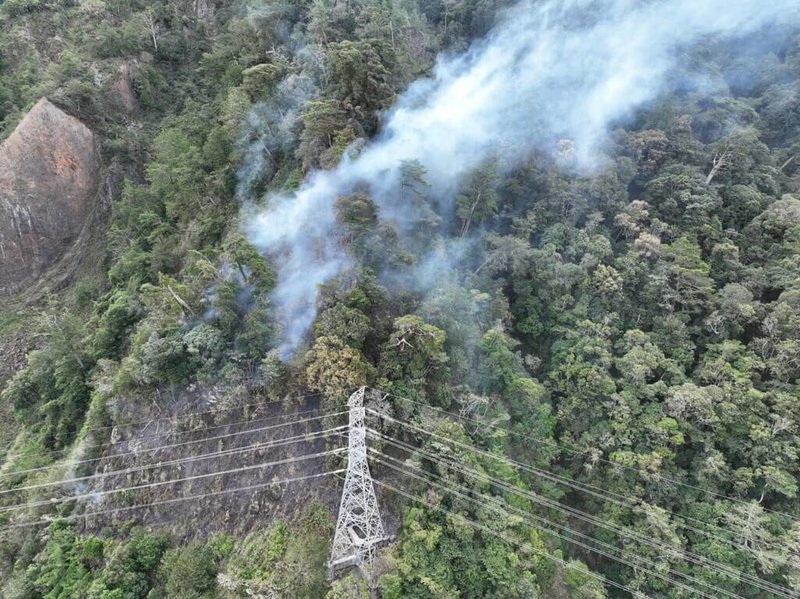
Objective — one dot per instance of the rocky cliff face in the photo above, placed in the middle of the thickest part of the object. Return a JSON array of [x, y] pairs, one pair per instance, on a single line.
[[49, 174]]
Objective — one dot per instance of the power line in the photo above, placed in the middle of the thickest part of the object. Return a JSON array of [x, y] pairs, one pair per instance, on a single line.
[[174, 445], [694, 558], [566, 447], [529, 495], [512, 541], [634, 507], [315, 435], [177, 420], [488, 501], [191, 415], [545, 521], [87, 515], [97, 494], [587, 488], [177, 433]]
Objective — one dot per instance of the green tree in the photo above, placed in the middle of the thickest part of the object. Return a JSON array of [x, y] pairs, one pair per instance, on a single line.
[[189, 573], [478, 199], [176, 173], [414, 363], [327, 131], [690, 286], [334, 369], [359, 76]]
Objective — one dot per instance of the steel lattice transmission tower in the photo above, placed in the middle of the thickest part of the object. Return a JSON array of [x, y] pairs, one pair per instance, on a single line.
[[359, 528]]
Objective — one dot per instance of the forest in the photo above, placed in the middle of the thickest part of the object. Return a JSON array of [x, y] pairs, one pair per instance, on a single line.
[[591, 300]]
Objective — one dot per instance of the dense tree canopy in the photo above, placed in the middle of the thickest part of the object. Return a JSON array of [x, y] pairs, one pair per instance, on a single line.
[[634, 330]]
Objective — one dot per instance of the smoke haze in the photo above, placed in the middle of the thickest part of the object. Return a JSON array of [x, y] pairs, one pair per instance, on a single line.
[[549, 71]]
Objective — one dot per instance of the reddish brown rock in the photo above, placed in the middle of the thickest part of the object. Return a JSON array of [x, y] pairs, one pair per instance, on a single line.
[[49, 174], [122, 95]]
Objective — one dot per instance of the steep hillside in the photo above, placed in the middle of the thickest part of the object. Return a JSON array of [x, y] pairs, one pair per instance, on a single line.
[[559, 243]]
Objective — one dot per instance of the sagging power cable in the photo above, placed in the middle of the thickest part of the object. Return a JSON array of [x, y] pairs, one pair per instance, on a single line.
[[691, 557], [95, 495], [137, 452], [87, 515], [312, 436], [486, 501], [577, 451]]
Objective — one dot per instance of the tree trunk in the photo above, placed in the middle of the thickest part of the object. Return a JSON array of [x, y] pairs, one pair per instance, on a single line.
[[788, 162], [719, 162], [465, 228]]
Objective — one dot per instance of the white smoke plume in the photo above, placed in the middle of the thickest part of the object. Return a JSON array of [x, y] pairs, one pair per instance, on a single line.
[[559, 69]]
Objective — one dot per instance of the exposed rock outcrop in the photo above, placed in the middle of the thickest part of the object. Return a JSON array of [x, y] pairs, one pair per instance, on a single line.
[[14, 348], [49, 175], [122, 96]]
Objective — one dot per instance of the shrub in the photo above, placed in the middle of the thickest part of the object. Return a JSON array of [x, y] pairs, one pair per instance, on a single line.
[[19, 7], [189, 572]]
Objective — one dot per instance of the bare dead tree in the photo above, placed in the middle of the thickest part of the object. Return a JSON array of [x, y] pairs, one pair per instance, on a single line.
[[448, 6], [152, 26], [721, 160], [468, 222], [391, 31], [181, 302]]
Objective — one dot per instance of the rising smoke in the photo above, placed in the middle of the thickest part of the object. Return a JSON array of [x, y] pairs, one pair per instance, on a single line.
[[549, 71]]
